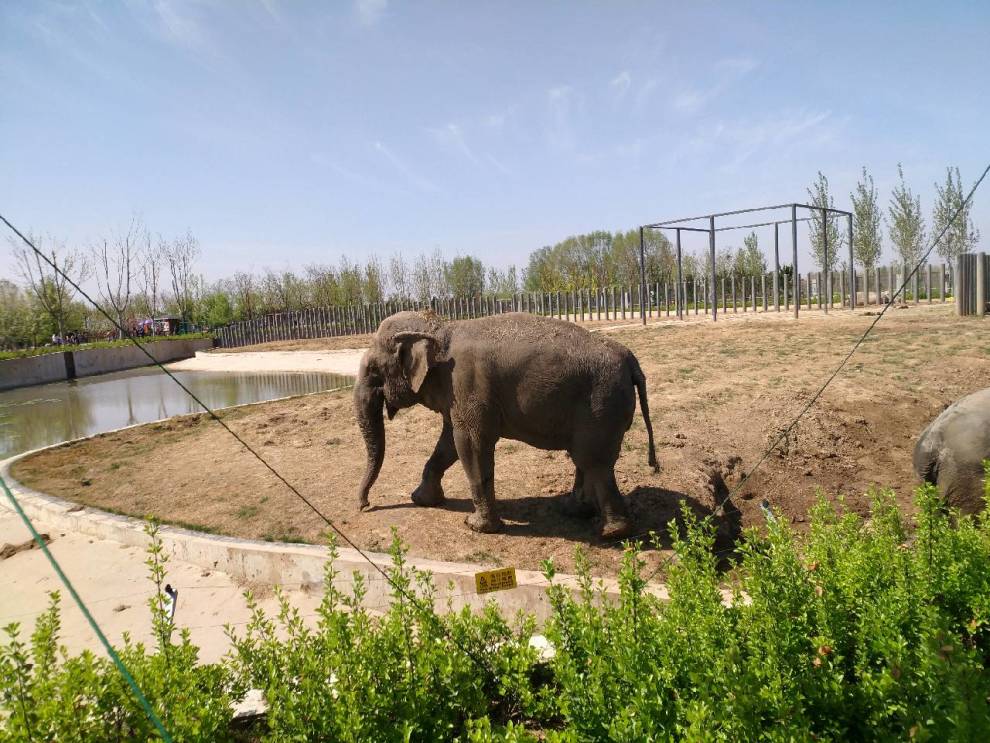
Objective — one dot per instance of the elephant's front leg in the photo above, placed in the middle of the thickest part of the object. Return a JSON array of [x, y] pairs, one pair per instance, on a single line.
[[477, 455], [430, 490]]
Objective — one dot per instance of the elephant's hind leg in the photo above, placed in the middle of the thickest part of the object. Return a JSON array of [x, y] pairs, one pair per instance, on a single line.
[[430, 490], [615, 516], [579, 502]]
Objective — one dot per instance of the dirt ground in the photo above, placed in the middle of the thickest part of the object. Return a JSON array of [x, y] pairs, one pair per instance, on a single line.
[[716, 392]]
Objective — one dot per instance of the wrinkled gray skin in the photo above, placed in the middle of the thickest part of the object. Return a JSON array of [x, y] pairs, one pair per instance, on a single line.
[[544, 382], [950, 452]]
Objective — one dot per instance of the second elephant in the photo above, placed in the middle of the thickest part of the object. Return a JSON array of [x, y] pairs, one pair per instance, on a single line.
[[547, 383], [950, 452]]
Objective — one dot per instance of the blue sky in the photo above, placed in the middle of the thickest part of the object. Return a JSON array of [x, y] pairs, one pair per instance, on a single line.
[[283, 133]]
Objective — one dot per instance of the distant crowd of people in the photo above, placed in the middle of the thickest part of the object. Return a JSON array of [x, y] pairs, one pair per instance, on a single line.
[[135, 328], [69, 339]]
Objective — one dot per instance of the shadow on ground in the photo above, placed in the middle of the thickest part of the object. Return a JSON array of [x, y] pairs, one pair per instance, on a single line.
[[653, 510]]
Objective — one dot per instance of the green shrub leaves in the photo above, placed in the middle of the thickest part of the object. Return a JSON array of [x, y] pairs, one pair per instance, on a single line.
[[863, 628]]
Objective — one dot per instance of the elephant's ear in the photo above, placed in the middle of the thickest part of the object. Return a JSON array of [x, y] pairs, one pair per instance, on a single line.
[[417, 353]]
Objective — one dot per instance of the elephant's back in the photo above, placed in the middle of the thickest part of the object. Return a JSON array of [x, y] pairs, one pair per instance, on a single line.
[[519, 336], [548, 378]]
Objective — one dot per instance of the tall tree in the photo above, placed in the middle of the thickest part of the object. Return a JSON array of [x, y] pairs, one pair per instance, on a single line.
[[399, 278], [905, 223], [18, 321], [245, 295], [466, 276], [151, 273], [116, 259], [960, 234], [503, 283], [752, 262], [51, 288], [350, 276], [867, 237], [180, 257], [373, 289], [819, 196]]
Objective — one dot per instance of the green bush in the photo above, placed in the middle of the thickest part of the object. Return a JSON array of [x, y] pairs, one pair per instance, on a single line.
[[45, 695], [875, 628]]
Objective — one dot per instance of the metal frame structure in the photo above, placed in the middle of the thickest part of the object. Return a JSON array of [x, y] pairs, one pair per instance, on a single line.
[[683, 225]]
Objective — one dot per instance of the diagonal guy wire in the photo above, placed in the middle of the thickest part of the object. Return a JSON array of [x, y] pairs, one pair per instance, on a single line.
[[834, 374], [89, 617], [400, 589]]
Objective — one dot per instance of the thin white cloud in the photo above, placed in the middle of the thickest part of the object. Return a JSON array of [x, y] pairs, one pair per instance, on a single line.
[[561, 102], [272, 9], [452, 137], [620, 84], [738, 66], [180, 27], [404, 170], [497, 120], [369, 12], [645, 92], [774, 135], [498, 165], [323, 160], [729, 71]]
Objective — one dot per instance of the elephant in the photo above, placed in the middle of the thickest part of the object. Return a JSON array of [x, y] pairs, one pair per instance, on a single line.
[[950, 452], [544, 382]]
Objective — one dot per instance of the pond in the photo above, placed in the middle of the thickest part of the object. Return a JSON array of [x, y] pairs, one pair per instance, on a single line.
[[31, 417]]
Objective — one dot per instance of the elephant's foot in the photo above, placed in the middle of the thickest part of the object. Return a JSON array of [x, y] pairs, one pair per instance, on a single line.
[[617, 528], [577, 505], [486, 523], [429, 493]]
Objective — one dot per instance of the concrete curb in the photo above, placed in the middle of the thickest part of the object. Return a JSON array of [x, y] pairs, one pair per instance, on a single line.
[[279, 563]]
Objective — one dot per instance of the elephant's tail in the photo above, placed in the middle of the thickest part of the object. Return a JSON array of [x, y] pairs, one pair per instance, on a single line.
[[640, 381]]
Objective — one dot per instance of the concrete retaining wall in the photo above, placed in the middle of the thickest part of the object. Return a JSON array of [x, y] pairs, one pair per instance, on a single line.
[[55, 367], [33, 370], [103, 360], [277, 563]]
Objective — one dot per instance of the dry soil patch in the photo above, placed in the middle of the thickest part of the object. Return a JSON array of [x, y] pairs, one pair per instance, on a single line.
[[716, 392]]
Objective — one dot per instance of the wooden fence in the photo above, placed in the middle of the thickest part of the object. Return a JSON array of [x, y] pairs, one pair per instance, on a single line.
[[733, 294], [973, 270]]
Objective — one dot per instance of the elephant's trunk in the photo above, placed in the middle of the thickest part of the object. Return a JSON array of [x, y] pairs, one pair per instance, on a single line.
[[368, 402]]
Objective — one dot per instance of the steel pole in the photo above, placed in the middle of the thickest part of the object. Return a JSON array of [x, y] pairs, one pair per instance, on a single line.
[[642, 276], [826, 265], [776, 267], [852, 267], [680, 280], [711, 249], [794, 260]]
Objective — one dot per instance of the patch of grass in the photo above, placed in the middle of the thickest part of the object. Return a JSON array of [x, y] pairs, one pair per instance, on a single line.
[[247, 512], [289, 536], [483, 557]]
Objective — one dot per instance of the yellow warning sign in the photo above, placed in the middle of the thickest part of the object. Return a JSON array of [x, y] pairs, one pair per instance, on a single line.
[[495, 580]]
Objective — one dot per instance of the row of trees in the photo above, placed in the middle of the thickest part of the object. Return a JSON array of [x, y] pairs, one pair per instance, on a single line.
[[907, 230], [138, 274], [135, 275]]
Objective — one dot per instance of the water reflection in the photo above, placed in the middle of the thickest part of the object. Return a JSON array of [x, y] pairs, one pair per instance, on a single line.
[[37, 416]]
